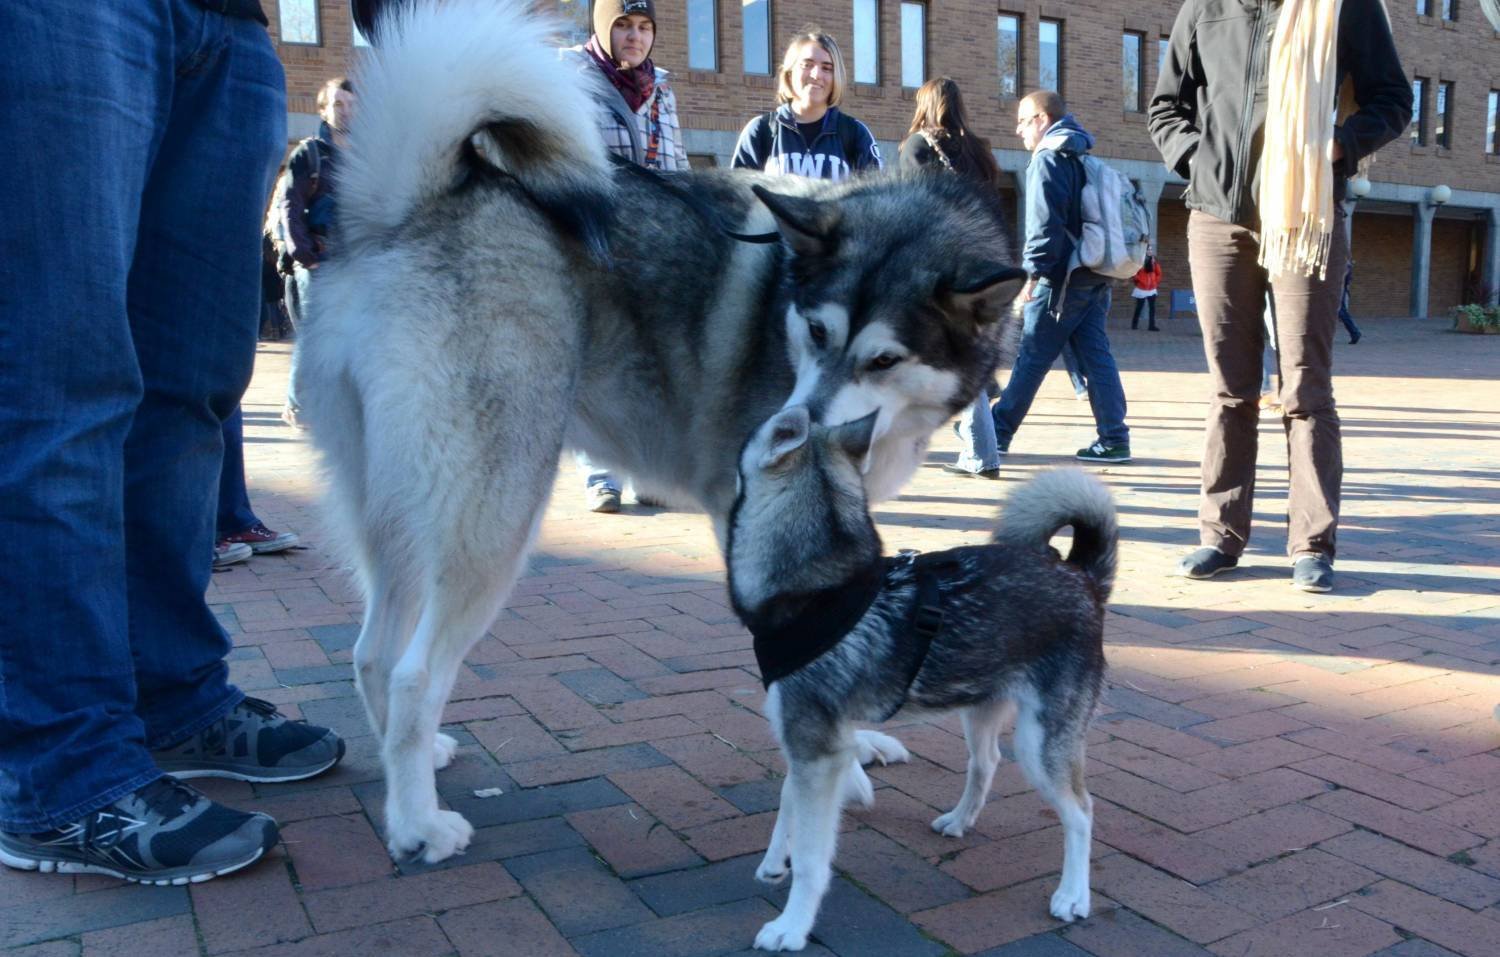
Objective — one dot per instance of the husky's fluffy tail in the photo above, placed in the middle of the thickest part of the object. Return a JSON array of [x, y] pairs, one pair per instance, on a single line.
[[1034, 512], [460, 84]]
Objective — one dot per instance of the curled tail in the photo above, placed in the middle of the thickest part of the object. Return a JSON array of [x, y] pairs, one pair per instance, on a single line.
[[1034, 512], [460, 84]]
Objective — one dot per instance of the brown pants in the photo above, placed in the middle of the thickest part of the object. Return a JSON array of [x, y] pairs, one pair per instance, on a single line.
[[1231, 291]]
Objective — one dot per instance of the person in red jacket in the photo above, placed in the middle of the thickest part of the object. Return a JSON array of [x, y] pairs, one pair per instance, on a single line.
[[1147, 278]]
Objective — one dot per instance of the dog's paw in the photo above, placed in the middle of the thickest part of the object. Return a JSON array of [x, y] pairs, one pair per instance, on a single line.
[[773, 870], [435, 838], [951, 824], [873, 746], [779, 935], [443, 750], [1070, 902], [858, 791]]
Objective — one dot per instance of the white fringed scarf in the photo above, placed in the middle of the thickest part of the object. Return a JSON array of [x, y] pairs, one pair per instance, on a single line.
[[1295, 200]]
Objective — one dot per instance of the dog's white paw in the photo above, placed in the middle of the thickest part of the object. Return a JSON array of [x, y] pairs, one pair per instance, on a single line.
[[1070, 902], [873, 746], [773, 869], [443, 750], [857, 788], [432, 839], [951, 824], [779, 935]]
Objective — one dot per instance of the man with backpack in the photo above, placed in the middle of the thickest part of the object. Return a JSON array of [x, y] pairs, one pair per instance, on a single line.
[[1064, 302], [303, 209]]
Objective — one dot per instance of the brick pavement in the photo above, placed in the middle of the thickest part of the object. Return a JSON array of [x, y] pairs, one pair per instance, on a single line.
[[1275, 773]]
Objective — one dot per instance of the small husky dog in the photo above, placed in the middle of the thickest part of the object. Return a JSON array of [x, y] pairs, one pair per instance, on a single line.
[[843, 634], [501, 289]]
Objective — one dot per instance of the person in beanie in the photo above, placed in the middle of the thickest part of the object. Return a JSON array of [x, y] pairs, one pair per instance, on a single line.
[[1266, 107], [638, 118]]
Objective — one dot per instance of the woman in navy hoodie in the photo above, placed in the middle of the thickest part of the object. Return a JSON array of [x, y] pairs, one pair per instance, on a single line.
[[807, 135]]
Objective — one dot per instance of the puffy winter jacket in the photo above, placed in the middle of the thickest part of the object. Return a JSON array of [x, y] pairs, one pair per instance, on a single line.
[[1209, 111]]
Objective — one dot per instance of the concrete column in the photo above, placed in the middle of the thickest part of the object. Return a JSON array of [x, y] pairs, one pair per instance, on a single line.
[[1151, 193], [1491, 271], [1421, 257]]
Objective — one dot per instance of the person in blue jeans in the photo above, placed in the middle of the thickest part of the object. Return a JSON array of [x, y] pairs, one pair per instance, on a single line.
[[144, 137], [240, 532], [1061, 306]]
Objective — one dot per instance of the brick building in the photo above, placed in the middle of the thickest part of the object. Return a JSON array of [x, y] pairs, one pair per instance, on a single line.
[[1415, 256]]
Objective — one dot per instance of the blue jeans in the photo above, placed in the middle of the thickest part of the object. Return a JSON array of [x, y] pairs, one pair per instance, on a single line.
[[1080, 324], [235, 514], [1075, 374], [978, 451], [142, 139], [296, 295]]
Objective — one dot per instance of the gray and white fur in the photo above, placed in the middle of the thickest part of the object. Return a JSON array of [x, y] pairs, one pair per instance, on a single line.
[[1021, 627], [498, 288]]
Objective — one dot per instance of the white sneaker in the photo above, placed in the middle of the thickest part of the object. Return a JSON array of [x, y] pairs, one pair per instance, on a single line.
[[602, 498], [230, 553]]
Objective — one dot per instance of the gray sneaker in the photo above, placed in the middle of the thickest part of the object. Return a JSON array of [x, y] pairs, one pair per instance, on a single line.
[[253, 742], [1312, 573], [163, 833]]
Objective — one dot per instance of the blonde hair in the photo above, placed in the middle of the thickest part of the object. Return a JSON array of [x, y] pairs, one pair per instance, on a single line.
[[830, 46]]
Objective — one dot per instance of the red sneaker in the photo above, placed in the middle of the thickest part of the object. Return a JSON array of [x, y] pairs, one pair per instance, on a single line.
[[262, 540]]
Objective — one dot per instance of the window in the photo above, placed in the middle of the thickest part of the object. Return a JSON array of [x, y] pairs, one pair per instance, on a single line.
[[1049, 55], [1450, 9], [1163, 47], [1424, 8], [913, 43], [1442, 135], [358, 37], [866, 41], [1419, 111], [575, 14], [1008, 40], [299, 22], [1132, 71], [757, 33], [1491, 130], [703, 34]]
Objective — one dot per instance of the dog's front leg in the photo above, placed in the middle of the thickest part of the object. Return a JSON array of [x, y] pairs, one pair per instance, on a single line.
[[773, 867], [813, 787]]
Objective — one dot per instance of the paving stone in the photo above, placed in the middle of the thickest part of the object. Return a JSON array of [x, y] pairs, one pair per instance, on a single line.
[[167, 937], [851, 923], [258, 906], [1337, 932], [335, 637], [1297, 882], [721, 929], [578, 893], [1272, 833], [695, 888], [993, 919], [1152, 709], [391, 898], [1187, 910], [752, 797], [504, 929], [586, 764], [503, 841], [1432, 918], [1374, 782], [1426, 872], [633, 841], [601, 686], [330, 851], [1414, 947], [671, 794], [894, 874], [1042, 945], [1409, 827], [528, 804], [412, 937], [1123, 933]]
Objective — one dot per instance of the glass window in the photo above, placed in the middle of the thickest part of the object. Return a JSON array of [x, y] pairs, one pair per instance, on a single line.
[[1418, 111], [866, 41], [1131, 69], [1049, 55], [1491, 131], [1424, 8], [1442, 135], [703, 34], [1008, 39], [1450, 9], [299, 21], [1163, 46], [575, 16], [913, 43], [757, 31]]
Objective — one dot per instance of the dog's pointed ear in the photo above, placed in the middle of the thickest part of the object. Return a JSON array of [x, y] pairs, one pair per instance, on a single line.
[[806, 224], [854, 437], [983, 289], [788, 429]]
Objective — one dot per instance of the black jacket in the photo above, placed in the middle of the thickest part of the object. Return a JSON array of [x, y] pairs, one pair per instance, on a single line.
[[1209, 112], [773, 142]]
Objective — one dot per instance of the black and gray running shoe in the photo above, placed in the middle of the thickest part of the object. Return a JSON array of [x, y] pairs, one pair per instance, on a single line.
[[253, 742], [164, 833]]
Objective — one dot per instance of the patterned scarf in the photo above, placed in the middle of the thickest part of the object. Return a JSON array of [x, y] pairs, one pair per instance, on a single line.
[[636, 85]]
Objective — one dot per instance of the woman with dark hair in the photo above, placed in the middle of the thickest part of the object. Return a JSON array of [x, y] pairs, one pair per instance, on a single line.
[[940, 139], [807, 135], [940, 135]]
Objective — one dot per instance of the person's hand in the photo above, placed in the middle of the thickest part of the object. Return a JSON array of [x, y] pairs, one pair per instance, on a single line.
[[1029, 293]]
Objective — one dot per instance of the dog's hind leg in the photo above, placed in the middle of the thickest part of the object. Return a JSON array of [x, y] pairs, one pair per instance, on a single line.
[[982, 734], [873, 746], [813, 786], [1054, 764], [773, 867]]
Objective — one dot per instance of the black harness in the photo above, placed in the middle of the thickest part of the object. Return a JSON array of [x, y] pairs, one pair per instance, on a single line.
[[822, 618]]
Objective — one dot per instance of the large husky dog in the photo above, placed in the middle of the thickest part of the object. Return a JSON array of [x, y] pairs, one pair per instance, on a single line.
[[500, 287], [982, 628]]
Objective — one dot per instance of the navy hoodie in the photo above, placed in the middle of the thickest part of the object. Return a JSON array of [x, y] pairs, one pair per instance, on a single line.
[[1054, 185], [773, 142]]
